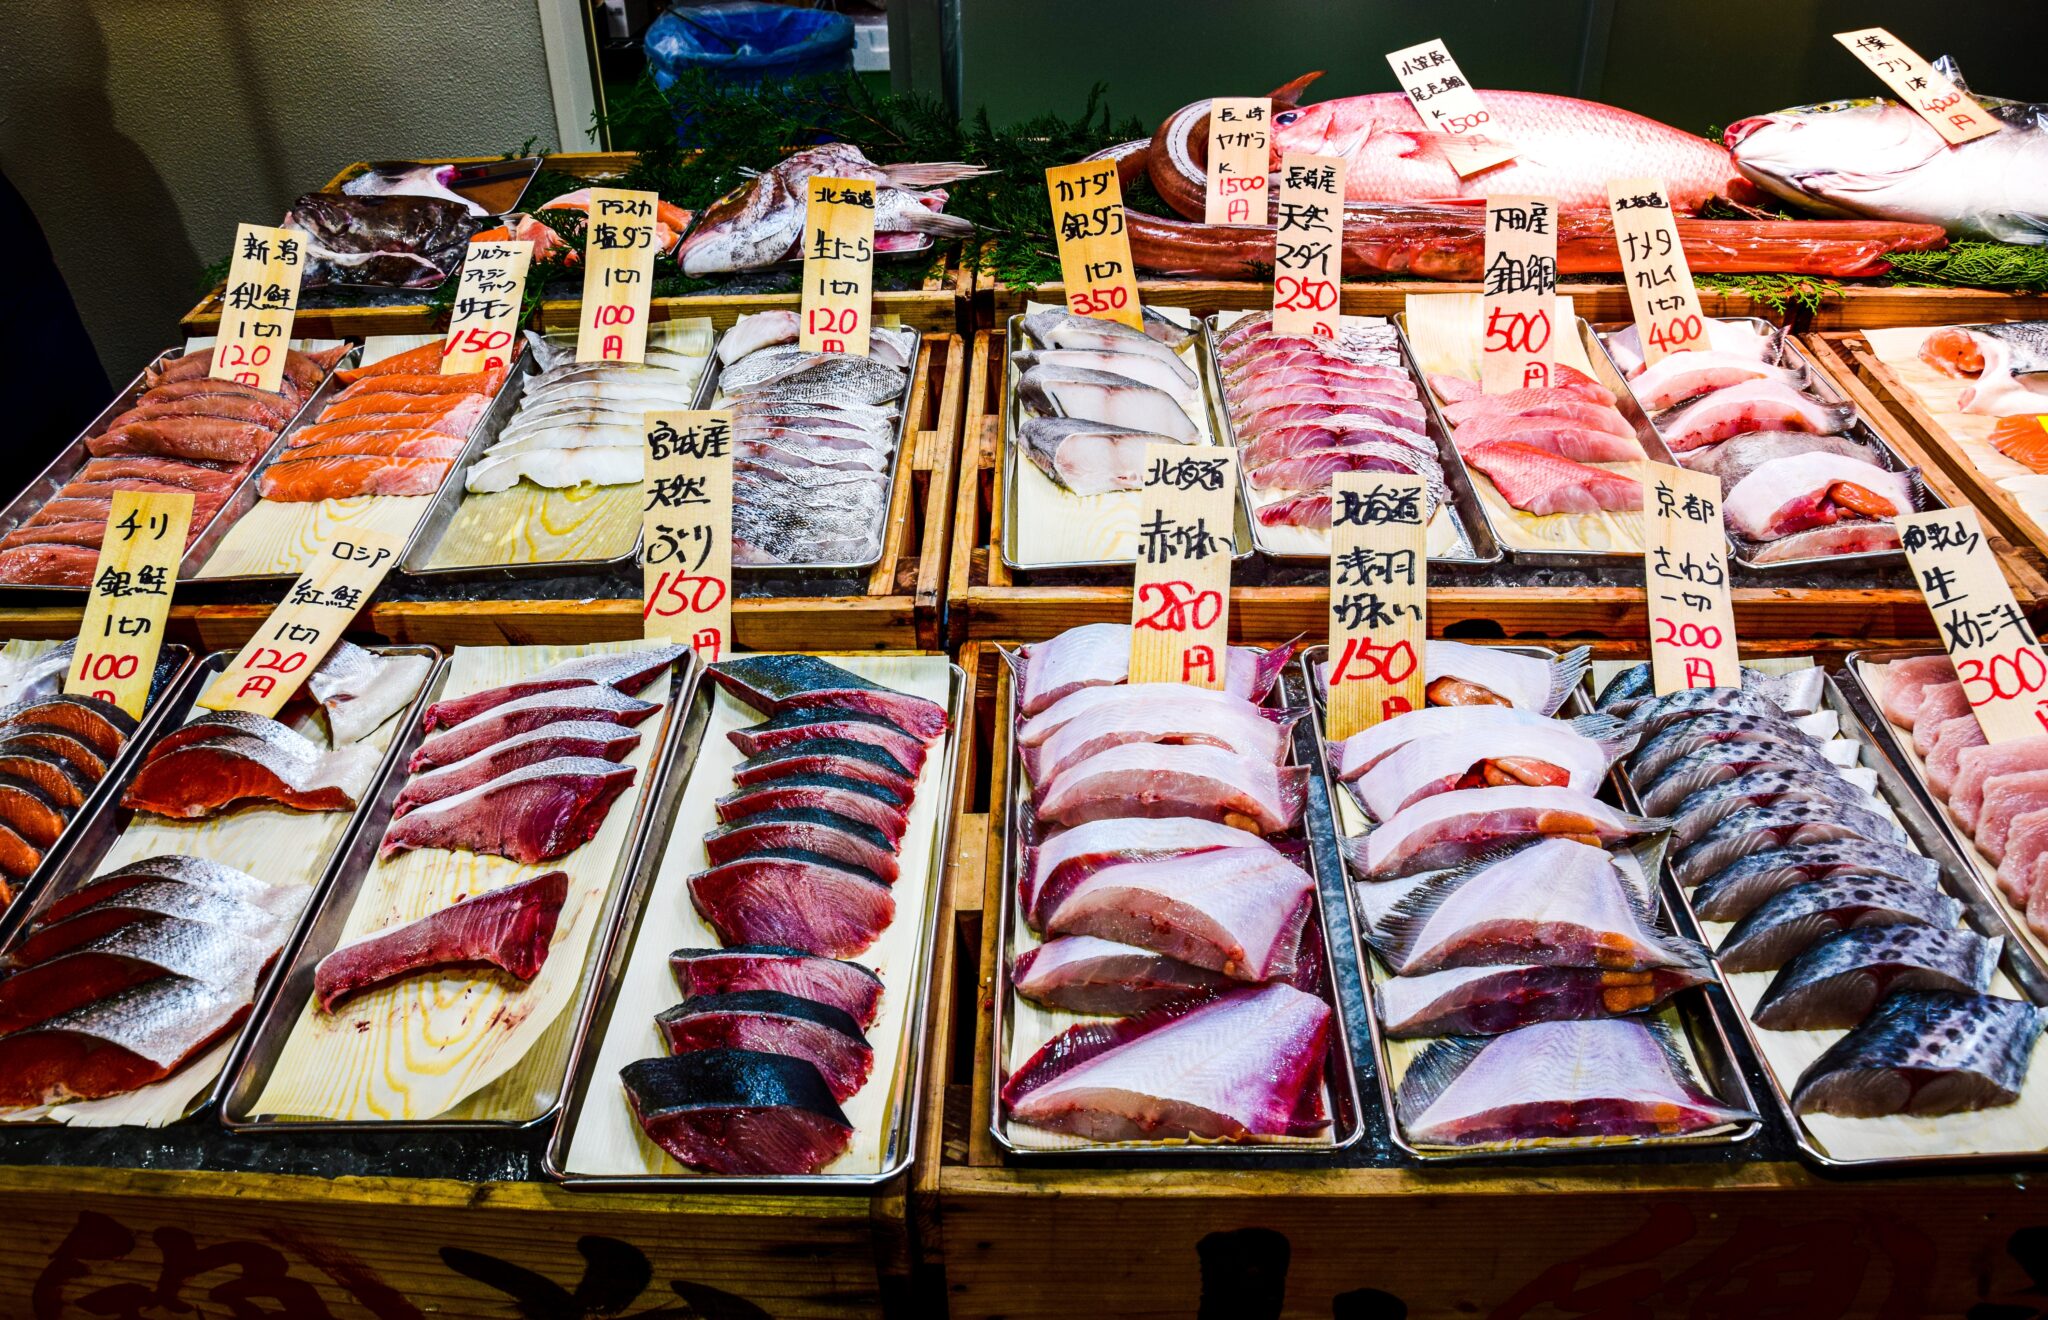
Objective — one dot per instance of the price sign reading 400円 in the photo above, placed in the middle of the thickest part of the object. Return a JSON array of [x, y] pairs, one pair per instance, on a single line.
[[483, 326], [306, 624], [1180, 607], [1308, 239], [1095, 252], [123, 627], [1379, 586], [618, 273], [1449, 106], [1685, 568], [1519, 296], [257, 306], [839, 266], [1660, 290], [1240, 156], [686, 567], [1997, 656], [1948, 109]]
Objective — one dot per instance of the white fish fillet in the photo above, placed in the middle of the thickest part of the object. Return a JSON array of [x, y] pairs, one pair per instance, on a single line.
[[599, 465], [1757, 504]]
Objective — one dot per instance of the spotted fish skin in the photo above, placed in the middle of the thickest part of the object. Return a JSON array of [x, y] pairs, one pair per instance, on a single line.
[[1682, 740], [1925, 1053], [1705, 808], [1781, 824], [1737, 890], [1717, 762], [1784, 926], [1657, 714], [1797, 693], [1834, 984]]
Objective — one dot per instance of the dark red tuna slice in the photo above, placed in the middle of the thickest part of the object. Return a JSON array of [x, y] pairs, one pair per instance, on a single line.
[[810, 828], [100, 725], [775, 1023], [875, 804], [129, 1040], [847, 986], [738, 1111], [589, 702], [28, 812], [57, 778], [197, 872], [158, 898], [536, 813], [772, 683], [622, 671], [795, 898], [829, 756], [598, 738], [508, 928], [56, 742], [801, 724], [139, 951]]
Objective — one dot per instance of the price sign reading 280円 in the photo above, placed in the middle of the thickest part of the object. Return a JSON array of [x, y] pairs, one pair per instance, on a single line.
[[1180, 607], [686, 572]]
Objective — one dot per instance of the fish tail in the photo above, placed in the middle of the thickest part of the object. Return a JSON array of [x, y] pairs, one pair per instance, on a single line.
[[915, 175]]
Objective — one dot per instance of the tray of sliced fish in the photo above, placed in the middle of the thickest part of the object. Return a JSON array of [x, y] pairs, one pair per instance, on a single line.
[[1082, 397], [441, 974], [550, 483], [1300, 410], [761, 1017], [1806, 480], [172, 429], [1164, 986], [1879, 983], [131, 975], [1529, 993]]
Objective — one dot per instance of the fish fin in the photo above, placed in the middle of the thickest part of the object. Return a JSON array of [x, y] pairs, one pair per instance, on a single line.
[[1611, 732], [914, 176], [937, 223], [1629, 681], [1394, 929], [1017, 662], [1565, 677], [1269, 666], [1285, 719], [1030, 755], [1639, 866], [1432, 1072], [1293, 792], [1667, 1039], [1988, 955], [1288, 94]]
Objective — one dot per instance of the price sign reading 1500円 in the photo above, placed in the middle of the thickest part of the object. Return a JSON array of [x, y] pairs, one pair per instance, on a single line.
[[1685, 567], [1660, 290], [123, 627], [618, 272], [1308, 242], [1997, 656], [306, 624], [839, 266], [1448, 105], [1240, 156], [1180, 608], [1379, 585], [1518, 297], [484, 322], [1095, 252], [686, 566], [257, 305]]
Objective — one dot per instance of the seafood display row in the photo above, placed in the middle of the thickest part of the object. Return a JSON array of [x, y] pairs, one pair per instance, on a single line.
[[1096, 392], [1543, 449]]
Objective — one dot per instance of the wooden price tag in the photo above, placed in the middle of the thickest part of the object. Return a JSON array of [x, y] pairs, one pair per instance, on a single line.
[[123, 627], [1997, 656], [618, 273], [257, 306], [1379, 589], [686, 567], [1308, 245], [1519, 296], [1095, 252], [1449, 107], [306, 624], [1240, 157], [483, 327], [1948, 109], [1660, 290], [1685, 574], [1180, 609], [839, 266]]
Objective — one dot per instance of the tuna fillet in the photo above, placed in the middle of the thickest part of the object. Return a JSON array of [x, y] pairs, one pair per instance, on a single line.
[[873, 804], [536, 813], [508, 928], [773, 683], [846, 986], [578, 738], [523, 715], [738, 1111], [625, 672], [793, 898], [774, 1022], [801, 724], [810, 829]]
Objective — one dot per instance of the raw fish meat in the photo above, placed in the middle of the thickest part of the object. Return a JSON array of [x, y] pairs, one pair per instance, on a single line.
[[1169, 374], [402, 241], [1236, 911], [214, 762], [508, 928], [1786, 924], [627, 672], [1538, 482], [1836, 983], [802, 724], [1653, 715], [1721, 761], [304, 480], [1461, 674], [211, 439], [873, 804], [773, 1022], [1553, 435], [558, 469], [1098, 396], [536, 813], [1088, 458], [1160, 338], [522, 714], [793, 898], [1680, 376], [129, 955], [1980, 764], [1660, 753], [194, 872], [828, 756], [1466, 726], [118, 1044], [847, 986], [1141, 779], [1490, 1000], [1163, 713], [50, 775], [1738, 456], [1759, 405], [1084, 974], [1451, 828], [810, 829], [1805, 491], [1543, 753], [737, 1111], [160, 898], [360, 689], [773, 683], [1738, 338], [100, 725], [1058, 863], [1926, 1053], [1737, 890], [1099, 654], [1780, 825], [31, 813], [575, 738]]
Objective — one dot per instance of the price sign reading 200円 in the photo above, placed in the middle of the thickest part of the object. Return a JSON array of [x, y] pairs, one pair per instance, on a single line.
[[1180, 606], [686, 567], [1685, 567]]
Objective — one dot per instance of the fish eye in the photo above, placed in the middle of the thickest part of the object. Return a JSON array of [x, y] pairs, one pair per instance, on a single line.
[[1285, 117]]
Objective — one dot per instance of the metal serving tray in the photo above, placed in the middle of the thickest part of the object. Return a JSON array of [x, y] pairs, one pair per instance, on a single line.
[[92, 840], [906, 1080], [1982, 912], [1477, 546], [1699, 1010], [1012, 455], [64, 468], [1821, 387], [1340, 1078], [293, 986]]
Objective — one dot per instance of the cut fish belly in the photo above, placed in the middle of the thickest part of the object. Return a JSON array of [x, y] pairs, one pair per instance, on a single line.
[[1737, 890], [399, 382], [626, 672], [1451, 828], [1236, 911], [2006, 798], [773, 1022], [100, 725], [263, 920], [801, 724], [31, 813], [305, 480], [1837, 982], [1976, 765], [872, 804], [1098, 396], [186, 473], [455, 420], [1243, 1065], [811, 829], [846, 986], [1760, 405], [1781, 825], [87, 535], [1926, 1053], [1099, 655], [1056, 865], [1905, 684], [1162, 713], [523, 714], [195, 779], [1311, 470], [1568, 441], [536, 813], [1280, 442], [197, 873], [796, 899], [1083, 974], [1536, 481], [1467, 726], [127, 956], [1491, 1000], [1718, 762], [52, 777], [1680, 376], [1141, 779], [573, 738], [509, 928], [1540, 753], [1805, 491], [738, 1111], [1664, 751], [773, 683], [1736, 457], [1783, 926], [360, 689], [1461, 674], [118, 1044]]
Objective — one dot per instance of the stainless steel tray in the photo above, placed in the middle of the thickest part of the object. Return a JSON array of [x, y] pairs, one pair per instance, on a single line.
[[1477, 546], [1013, 418], [1982, 911], [64, 468], [1741, 548], [907, 1079], [293, 985], [1339, 1076], [1700, 1010], [82, 859]]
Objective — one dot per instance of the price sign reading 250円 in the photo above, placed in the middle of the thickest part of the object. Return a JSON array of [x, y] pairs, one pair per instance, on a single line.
[[1095, 252], [686, 568], [1308, 245], [1180, 607], [1997, 656], [618, 275]]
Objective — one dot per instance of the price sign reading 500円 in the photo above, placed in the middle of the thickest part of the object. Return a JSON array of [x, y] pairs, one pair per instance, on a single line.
[[1308, 246], [1997, 656], [1180, 607], [686, 567], [1095, 252], [618, 270], [257, 306], [1519, 296], [123, 627], [839, 266], [1379, 585], [1685, 565]]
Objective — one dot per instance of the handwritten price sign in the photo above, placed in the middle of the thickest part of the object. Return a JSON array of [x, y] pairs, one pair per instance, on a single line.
[[484, 323], [1997, 656], [1949, 110], [1685, 572], [1518, 339], [1240, 156], [1180, 610], [1449, 106], [1660, 289], [1095, 252], [1379, 588], [1308, 246], [257, 306], [839, 266], [306, 624], [686, 566], [123, 627], [618, 274]]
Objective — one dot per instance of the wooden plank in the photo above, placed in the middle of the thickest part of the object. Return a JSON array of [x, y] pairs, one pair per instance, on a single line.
[[1875, 307], [938, 457]]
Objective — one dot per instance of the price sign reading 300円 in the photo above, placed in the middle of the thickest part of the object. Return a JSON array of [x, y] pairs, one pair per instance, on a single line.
[[1095, 252], [123, 627], [686, 568], [618, 273], [1379, 585], [1180, 609], [1997, 656]]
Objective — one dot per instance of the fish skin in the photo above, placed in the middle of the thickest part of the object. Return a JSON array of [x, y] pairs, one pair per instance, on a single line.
[[844, 839], [1801, 492], [128, 956], [1084, 974], [798, 376], [117, 1044], [1760, 828], [509, 928], [822, 1035], [1681, 740], [1056, 328], [359, 689], [834, 756], [1762, 405], [1452, 828], [847, 986], [192, 780], [1927, 1053], [1785, 924], [212, 877], [1800, 692], [1098, 396], [537, 813], [798, 724], [737, 1111], [1736, 457], [1836, 983], [263, 919], [397, 179], [589, 702], [627, 672], [408, 242], [1700, 811], [578, 738], [1653, 715], [1173, 377], [773, 683], [1088, 458], [1494, 1000], [1738, 889]]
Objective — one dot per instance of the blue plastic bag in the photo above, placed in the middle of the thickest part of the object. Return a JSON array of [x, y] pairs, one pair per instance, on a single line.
[[748, 43]]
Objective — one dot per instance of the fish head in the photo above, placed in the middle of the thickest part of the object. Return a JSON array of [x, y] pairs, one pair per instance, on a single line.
[[1821, 155]]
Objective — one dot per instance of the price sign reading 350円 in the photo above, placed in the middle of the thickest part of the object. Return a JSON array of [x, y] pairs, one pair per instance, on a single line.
[[686, 568], [1095, 252], [1180, 607]]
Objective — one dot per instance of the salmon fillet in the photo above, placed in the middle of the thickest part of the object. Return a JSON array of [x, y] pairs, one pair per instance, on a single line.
[[187, 437], [299, 481]]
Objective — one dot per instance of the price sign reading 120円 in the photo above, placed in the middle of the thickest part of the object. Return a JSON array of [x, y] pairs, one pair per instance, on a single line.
[[123, 627], [686, 566], [618, 275], [1379, 586], [1997, 656], [1180, 607], [257, 305], [839, 266], [1095, 252]]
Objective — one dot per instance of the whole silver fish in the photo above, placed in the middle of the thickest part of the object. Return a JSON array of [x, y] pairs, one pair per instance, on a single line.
[[1925, 1052], [1835, 984]]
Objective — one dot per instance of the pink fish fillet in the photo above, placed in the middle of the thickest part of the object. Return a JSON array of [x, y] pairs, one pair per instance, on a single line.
[[1979, 764], [2026, 845], [1231, 910], [1542, 483], [1099, 654], [508, 928], [1940, 703], [1955, 737], [1071, 856], [1569, 405], [1553, 435], [1163, 713], [1456, 389], [1905, 684], [1207, 782], [2006, 798]]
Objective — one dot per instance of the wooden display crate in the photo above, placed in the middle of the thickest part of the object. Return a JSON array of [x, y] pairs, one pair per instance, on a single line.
[[985, 601], [1732, 1236], [932, 308], [900, 606]]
